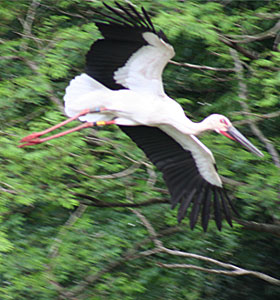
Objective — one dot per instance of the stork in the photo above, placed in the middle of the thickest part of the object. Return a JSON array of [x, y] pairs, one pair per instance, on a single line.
[[122, 85]]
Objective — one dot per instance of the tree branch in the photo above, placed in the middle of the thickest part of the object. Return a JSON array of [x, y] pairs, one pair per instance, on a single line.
[[238, 48], [8, 57], [268, 16], [10, 189], [242, 93], [234, 270], [199, 67], [120, 174], [29, 19], [130, 254], [98, 203], [276, 43], [265, 116], [260, 227], [57, 242], [258, 37], [33, 66], [149, 227], [133, 253], [232, 181]]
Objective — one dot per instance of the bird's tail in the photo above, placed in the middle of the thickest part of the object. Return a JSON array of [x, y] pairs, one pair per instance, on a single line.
[[78, 96]]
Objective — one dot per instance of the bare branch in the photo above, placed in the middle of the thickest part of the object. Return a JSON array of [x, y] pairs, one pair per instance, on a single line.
[[245, 52], [243, 96], [29, 19], [70, 222], [151, 181], [120, 174], [32, 37], [232, 181], [261, 227], [55, 8], [99, 203], [276, 42], [34, 67], [10, 189], [194, 267], [132, 254], [8, 57], [234, 270], [128, 255], [149, 227], [261, 36], [57, 242], [267, 16], [269, 146], [201, 67], [258, 117], [56, 100], [266, 116]]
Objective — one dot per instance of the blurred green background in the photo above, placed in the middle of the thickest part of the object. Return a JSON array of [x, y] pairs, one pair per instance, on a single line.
[[56, 242]]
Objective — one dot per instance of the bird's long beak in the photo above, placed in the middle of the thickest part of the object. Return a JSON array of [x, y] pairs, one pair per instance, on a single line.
[[235, 135]]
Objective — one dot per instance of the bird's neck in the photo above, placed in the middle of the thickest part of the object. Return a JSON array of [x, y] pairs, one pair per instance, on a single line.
[[188, 127], [204, 125]]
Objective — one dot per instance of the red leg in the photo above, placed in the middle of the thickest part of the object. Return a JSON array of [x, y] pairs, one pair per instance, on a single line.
[[36, 140], [82, 113]]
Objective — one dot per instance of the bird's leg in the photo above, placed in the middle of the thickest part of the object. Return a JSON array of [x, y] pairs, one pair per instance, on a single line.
[[82, 113], [84, 125], [33, 138]]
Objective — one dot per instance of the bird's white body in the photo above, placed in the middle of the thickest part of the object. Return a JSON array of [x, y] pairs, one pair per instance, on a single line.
[[127, 106], [133, 108]]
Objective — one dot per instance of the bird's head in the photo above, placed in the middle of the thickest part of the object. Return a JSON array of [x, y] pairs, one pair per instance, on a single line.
[[222, 125]]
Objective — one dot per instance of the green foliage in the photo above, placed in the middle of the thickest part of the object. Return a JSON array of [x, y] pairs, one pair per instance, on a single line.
[[52, 241]]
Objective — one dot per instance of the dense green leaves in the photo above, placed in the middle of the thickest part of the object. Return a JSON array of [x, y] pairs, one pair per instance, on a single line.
[[57, 240]]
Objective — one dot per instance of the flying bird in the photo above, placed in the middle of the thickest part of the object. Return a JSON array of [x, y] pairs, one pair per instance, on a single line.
[[122, 85]]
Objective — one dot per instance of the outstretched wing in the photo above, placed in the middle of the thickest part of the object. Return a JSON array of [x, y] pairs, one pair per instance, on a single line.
[[191, 178], [132, 54]]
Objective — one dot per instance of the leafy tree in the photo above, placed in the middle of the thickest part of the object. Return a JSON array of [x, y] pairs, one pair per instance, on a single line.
[[78, 214]]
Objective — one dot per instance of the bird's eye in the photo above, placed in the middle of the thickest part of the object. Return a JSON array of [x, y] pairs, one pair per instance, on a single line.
[[224, 121]]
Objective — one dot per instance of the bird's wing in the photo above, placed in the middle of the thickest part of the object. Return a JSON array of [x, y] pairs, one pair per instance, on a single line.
[[132, 54], [189, 171]]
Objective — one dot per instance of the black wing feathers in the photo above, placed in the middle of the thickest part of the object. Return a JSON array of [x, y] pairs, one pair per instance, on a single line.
[[183, 180], [117, 12], [122, 28], [205, 213], [101, 67], [217, 209], [186, 201], [147, 17]]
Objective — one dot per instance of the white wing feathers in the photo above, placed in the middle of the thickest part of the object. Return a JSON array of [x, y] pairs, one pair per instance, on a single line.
[[142, 72], [203, 157]]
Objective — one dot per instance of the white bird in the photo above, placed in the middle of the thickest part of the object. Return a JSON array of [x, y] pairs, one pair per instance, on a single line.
[[122, 85]]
